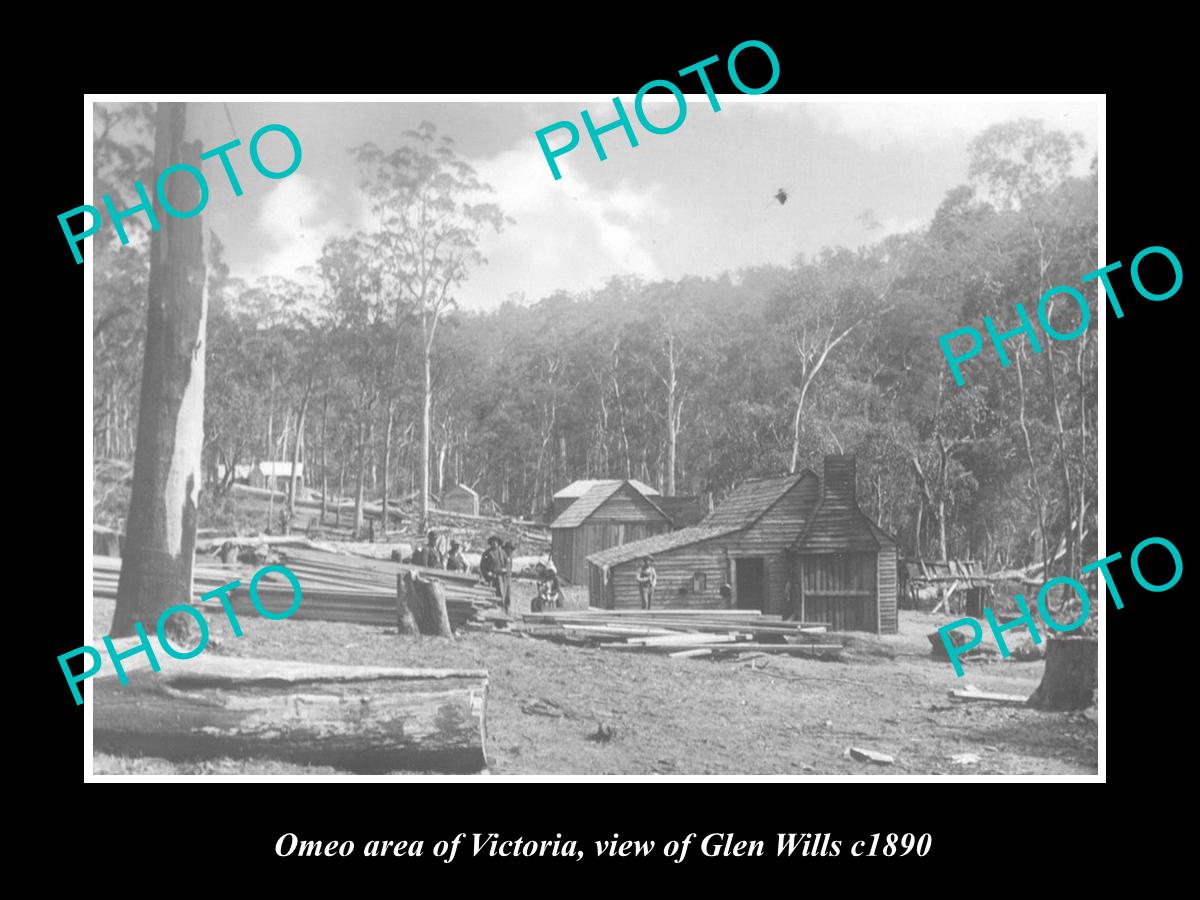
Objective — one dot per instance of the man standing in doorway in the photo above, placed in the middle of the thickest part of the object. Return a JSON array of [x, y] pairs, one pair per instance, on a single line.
[[646, 580]]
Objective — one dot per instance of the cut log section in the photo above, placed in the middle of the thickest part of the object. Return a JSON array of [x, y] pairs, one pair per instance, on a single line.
[[430, 610], [1070, 678], [406, 622], [361, 719]]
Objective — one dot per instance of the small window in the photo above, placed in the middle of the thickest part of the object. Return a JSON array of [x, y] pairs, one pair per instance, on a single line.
[[699, 583]]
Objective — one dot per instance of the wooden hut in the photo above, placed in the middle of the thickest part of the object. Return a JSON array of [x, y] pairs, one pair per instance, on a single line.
[[744, 540], [276, 475], [460, 499], [843, 563], [608, 514]]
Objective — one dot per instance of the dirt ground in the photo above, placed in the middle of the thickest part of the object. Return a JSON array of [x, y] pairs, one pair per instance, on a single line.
[[774, 716]]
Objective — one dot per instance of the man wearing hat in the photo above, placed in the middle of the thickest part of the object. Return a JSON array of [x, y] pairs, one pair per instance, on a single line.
[[491, 563], [454, 560], [428, 555], [646, 580], [506, 575]]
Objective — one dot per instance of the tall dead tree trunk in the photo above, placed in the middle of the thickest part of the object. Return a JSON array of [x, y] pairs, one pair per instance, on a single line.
[[324, 471], [270, 452], [426, 408], [387, 462], [360, 485], [297, 446], [673, 413], [156, 569]]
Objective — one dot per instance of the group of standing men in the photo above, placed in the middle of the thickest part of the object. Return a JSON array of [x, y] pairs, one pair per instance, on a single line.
[[495, 567], [430, 556]]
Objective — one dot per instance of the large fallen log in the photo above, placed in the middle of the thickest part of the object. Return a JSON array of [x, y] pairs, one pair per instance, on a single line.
[[362, 719]]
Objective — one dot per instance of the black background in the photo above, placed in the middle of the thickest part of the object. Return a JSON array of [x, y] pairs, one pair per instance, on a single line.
[[982, 832]]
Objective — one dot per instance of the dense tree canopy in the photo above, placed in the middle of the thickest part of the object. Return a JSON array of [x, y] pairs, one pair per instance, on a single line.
[[691, 385]]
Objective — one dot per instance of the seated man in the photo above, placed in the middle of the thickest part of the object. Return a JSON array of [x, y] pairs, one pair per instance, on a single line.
[[553, 589]]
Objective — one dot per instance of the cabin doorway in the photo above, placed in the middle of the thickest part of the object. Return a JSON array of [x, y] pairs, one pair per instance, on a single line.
[[750, 582]]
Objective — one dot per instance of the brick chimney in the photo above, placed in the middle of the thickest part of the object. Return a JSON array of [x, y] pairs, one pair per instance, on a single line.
[[839, 474]]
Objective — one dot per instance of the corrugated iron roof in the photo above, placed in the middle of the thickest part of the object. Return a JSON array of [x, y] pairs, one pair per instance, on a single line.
[[658, 543]]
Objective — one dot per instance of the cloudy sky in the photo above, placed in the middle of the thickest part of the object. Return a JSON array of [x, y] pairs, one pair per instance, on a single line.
[[696, 201]]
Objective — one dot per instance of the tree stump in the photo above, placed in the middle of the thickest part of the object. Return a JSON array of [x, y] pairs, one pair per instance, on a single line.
[[405, 600], [430, 608], [1070, 679]]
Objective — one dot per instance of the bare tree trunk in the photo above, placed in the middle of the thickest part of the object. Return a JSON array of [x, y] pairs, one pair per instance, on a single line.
[[360, 485], [672, 416], [324, 471], [1046, 549], [270, 452], [387, 462], [441, 467], [156, 569], [297, 445], [426, 405], [341, 487]]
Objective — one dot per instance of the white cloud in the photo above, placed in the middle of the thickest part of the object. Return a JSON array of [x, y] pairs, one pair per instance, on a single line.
[[567, 234], [944, 121], [297, 217]]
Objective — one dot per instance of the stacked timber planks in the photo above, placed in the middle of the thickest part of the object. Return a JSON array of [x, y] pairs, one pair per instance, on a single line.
[[685, 633], [334, 587]]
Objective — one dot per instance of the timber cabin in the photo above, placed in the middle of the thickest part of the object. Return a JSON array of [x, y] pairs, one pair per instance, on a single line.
[[460, 499], [744, 539], [609, 513], [782, 542], [845, 564]]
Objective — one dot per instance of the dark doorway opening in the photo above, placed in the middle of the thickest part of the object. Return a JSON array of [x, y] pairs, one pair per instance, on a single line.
[[751, 582]]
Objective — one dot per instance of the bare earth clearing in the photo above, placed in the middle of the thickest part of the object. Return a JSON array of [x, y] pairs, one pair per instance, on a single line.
[[776, 716]]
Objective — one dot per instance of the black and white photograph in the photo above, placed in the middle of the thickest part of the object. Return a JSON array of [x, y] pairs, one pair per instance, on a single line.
[[530, 438]]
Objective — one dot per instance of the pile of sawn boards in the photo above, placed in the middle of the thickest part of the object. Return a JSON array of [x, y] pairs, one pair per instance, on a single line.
[[334, 587], [688, 632]]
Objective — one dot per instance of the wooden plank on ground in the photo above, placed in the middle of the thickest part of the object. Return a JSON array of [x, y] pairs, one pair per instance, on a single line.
[[973, 694]]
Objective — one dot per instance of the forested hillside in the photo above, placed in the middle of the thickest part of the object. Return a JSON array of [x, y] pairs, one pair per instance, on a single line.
[[691, 385]]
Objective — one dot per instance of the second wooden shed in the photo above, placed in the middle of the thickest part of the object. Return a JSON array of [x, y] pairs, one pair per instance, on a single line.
[[608, 514]]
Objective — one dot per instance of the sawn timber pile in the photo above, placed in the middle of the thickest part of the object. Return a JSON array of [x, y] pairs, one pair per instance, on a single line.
[[687, 633], [334, 587]]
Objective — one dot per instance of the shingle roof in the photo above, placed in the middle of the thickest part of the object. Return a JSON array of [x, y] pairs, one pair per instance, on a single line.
[[658, 543], [583, 485], [745, 504], [575, 514]]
